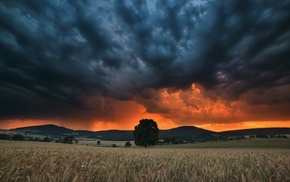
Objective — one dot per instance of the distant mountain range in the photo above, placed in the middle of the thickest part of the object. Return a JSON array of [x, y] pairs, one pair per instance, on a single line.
[[183, 132]]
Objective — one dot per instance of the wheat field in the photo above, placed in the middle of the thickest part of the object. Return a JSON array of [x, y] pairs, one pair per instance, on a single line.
[[32, 161]]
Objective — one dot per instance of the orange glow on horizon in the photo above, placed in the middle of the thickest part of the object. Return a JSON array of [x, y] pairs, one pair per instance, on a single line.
[[169, 108]]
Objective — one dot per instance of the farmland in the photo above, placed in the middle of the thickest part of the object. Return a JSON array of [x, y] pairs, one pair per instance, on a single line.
[[35, 161]]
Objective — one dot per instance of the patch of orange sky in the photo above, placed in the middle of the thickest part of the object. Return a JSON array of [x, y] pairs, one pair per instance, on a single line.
[[129, 119], [126, 120]]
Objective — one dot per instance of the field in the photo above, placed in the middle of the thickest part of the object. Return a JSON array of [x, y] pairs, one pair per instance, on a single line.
[[35, 161]]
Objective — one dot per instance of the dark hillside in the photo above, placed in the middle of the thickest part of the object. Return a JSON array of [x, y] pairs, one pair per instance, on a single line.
[[115, 135], [186, 133], [49, 129]]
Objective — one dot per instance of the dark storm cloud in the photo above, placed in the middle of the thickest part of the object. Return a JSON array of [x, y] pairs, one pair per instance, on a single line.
[[242, 39], [250, 45], [50, 57], [55, 55]]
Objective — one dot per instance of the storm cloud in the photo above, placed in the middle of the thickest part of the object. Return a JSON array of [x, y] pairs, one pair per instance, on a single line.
[[70, 60]]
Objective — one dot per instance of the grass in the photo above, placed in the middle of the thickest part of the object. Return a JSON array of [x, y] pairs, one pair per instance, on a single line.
[[35, 161]]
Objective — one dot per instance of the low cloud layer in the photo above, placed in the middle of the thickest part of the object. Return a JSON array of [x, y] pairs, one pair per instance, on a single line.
[[73, 61]]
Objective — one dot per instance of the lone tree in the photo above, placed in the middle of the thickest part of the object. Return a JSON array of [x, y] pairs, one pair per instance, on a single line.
[[128, 144], [18, 137], [146, 133], [68, 139]]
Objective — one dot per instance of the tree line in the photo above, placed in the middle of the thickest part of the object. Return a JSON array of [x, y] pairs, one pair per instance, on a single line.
[[19, 137]]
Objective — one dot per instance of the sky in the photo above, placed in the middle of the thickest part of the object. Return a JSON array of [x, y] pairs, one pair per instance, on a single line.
[[106, 64]]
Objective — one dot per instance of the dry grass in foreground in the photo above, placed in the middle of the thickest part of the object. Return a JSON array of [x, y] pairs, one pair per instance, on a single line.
[[28, 161]]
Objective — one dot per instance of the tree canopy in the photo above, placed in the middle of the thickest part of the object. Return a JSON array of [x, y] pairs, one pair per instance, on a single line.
[[146, 133], [128, 144]]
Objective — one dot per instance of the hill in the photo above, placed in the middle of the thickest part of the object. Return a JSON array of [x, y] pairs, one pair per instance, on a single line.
[[49, 129], [180, 133], [187, 133], [115, 135], [59, 131]]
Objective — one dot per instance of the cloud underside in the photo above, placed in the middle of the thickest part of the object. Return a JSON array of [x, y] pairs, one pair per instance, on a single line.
[[193, 62]]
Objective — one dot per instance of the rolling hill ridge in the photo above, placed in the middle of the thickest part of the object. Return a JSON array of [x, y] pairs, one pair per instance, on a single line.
[[183, 132]]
